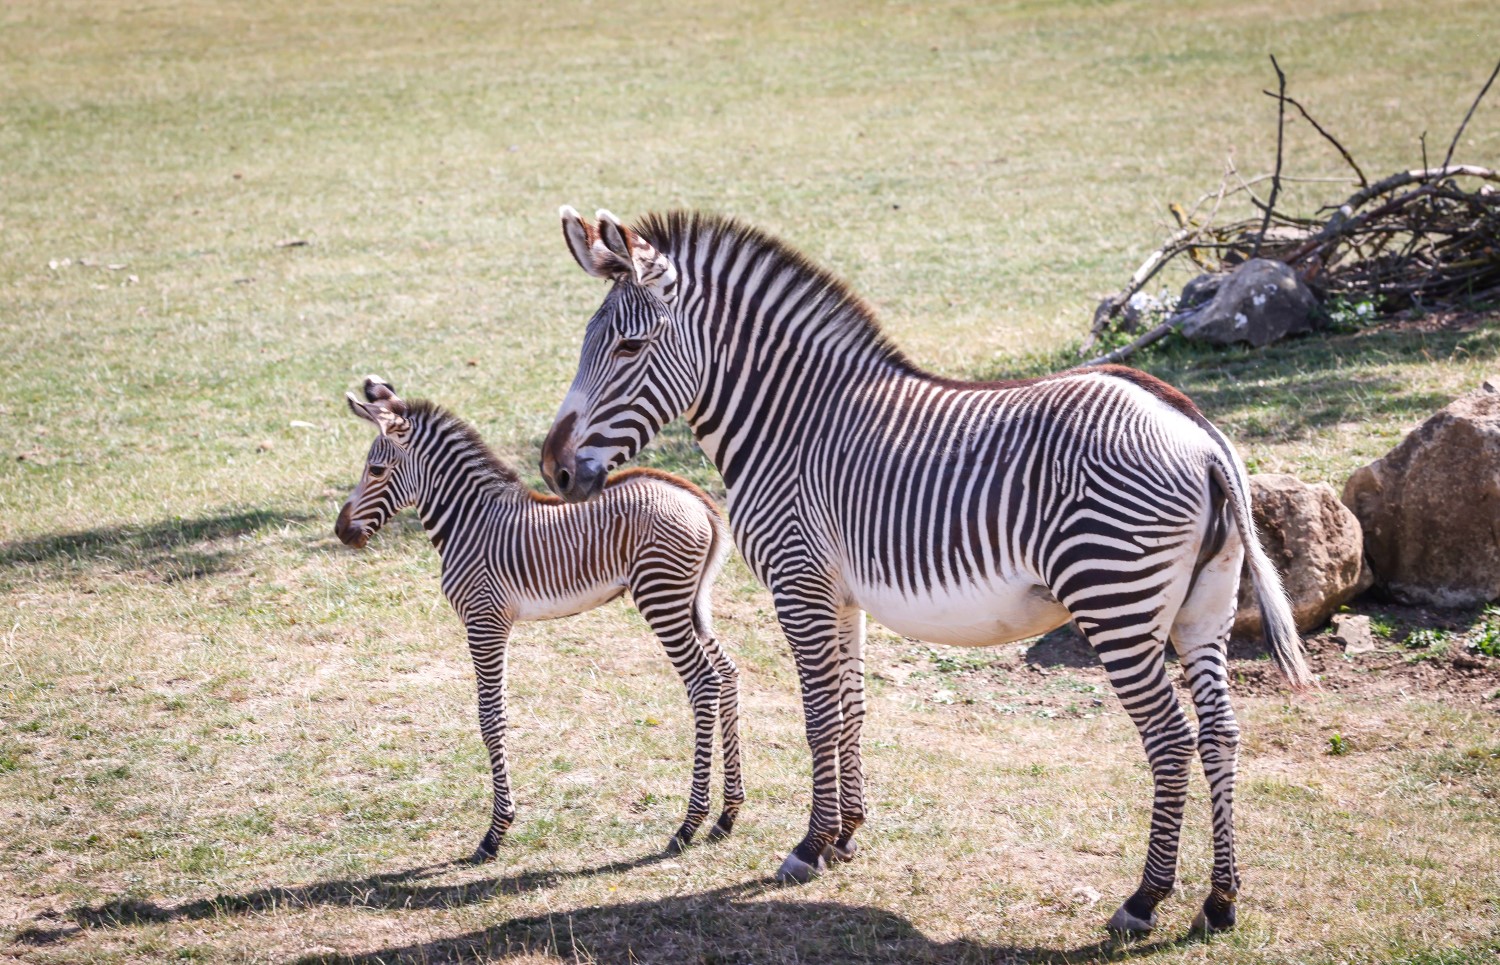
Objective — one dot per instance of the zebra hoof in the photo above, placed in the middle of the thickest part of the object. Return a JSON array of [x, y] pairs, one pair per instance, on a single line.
[[1124, 923], [721, 827], [795, 871], [1215, 916], [677, 845], [483, 854], [842, 853]]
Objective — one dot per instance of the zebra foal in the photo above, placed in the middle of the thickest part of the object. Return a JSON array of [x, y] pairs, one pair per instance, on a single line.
[[964, 513], [511, 555]]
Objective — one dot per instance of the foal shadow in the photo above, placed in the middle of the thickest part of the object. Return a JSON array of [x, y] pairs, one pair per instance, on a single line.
[[408, 889]]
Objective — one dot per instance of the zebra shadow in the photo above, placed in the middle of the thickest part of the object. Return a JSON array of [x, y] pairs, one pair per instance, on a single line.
[[166, 551], [726, 925]]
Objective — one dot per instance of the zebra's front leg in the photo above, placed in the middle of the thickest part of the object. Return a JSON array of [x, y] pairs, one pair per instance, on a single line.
[[810, 619], [487, 645], [729, 737], [852, 709]]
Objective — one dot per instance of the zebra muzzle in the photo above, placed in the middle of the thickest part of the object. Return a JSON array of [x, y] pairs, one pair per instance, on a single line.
[[349, 532]]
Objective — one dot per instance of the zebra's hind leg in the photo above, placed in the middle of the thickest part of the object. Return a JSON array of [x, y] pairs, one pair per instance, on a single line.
[[852, 706], [1133, 652], [664, 591], [1200, 634], [729, 736]]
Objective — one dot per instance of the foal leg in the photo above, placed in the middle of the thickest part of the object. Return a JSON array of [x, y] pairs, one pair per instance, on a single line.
[[664, 591], [852, 706], [729, 736], [487, 645], [1200, 635]]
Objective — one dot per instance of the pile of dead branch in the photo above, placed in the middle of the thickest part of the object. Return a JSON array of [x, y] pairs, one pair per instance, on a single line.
[[1426, 239]]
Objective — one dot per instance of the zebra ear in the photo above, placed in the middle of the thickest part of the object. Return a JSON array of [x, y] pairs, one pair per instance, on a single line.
[[377, 388], [648, 266], [387, 415], [588, 248]]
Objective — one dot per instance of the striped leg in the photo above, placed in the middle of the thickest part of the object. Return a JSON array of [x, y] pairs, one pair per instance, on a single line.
[[1200, 635], [810, 620], [664, 591], [1132, 648], [852, 706], [488, 636], [729, 735]]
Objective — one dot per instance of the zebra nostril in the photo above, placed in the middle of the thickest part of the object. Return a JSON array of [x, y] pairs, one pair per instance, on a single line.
[[563, 479]]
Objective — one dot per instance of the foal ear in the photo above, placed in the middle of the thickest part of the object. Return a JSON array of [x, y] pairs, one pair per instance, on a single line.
[[382, 414], [648, 266], [379, 390], [588, 248]]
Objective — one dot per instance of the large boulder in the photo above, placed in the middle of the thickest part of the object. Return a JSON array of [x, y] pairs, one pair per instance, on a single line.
[[1258, 302], [1430, 508], [1315, 543]]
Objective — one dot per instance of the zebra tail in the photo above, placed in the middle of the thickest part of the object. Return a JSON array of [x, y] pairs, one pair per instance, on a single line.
[[718, 554], [1275, 611]]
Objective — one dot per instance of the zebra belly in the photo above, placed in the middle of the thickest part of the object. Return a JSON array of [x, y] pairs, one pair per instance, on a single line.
[[970, 615], [528, 608]]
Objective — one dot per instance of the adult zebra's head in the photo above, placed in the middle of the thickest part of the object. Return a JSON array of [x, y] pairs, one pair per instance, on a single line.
[[637, 371], [387, 485]]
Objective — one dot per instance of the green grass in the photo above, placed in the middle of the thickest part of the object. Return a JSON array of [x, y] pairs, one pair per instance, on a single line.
[[225, 736]]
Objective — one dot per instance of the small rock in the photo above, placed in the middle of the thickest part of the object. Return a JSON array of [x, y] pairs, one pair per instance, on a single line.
[[1353, 633], [1258, 302], [266, 445], [1085, 895], [1465, 661]]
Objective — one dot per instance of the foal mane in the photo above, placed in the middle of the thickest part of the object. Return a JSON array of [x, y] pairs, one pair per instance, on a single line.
[[465, 437], [675, 232]]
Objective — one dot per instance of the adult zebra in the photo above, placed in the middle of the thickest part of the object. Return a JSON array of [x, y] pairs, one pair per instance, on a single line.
[[956, 512]]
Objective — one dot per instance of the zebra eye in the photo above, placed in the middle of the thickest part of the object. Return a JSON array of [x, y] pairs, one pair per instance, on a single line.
[[630, 346], [377, 471]]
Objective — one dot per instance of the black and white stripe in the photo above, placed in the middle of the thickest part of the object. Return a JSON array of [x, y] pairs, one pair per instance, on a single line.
[[964, 513], [512, 555]]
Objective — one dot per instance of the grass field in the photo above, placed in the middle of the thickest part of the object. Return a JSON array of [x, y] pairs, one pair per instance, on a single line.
[[224, 736]]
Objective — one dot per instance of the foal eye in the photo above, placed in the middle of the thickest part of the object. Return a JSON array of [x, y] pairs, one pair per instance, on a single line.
[[630, 346], [377, 471]]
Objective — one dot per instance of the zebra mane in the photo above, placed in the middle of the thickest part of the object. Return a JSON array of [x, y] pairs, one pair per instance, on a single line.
[[674, 232], [460, 435]]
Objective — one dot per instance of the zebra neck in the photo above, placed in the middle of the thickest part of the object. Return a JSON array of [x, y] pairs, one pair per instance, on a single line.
[[772, 386], [456, 489]]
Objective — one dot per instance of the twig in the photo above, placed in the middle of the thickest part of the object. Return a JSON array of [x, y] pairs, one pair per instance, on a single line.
[[1265, 223], [1460, 132], [1363, 182], [1125, 351]]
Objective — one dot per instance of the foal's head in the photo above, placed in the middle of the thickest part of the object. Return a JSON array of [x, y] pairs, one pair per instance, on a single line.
[[387, 485]]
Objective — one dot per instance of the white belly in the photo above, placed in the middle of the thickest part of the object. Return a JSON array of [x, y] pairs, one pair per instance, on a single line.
[[968, 615], [529, 608]]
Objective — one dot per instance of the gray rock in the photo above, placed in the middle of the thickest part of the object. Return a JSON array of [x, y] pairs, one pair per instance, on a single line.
[[1258, 302], [1316, 544], [1353, 633], [1430, 508]]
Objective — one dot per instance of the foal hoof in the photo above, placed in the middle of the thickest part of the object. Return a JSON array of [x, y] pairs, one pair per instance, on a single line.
[[1124, 923], [843, 853], [1215, 916], [721, 827], [676, 845], [482, 855], [795, 871]]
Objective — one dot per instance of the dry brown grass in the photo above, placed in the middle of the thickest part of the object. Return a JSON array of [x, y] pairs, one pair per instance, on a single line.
[[225, 737]]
